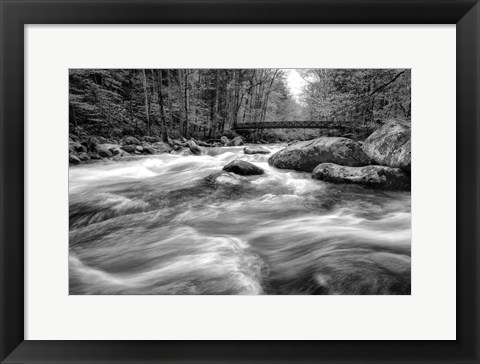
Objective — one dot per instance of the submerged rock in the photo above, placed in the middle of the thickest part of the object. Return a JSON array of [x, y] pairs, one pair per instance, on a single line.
[[305, 156], [255, 150], [391, 145], [243, 168], [225, 179], [372, 176]]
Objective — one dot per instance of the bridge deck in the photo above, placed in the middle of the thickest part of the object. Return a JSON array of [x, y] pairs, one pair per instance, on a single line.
[[306, 124]]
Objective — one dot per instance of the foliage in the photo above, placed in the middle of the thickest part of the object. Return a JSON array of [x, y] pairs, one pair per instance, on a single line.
[[206, 103], [202, 103], [362, 96]]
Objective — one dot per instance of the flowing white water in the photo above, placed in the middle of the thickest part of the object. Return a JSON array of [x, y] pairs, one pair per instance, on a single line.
[[155, 225]]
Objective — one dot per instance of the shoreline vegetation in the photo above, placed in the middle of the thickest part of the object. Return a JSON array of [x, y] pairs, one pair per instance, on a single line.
[[121, 113]]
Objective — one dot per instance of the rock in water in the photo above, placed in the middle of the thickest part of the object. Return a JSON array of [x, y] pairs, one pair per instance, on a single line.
[[94, 155], [76, 147], [84, 157], [194, 148], [305, 156], [235, 142], [224, 140], [225, 179], [243, 168], [148, 149], [130, 140], [255, 150], [391, 145], [73, 159], [130, 148], [162, 147], [372, 176], [104, 150]]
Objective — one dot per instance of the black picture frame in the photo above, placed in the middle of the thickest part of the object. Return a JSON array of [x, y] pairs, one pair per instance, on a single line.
[[16, 13]]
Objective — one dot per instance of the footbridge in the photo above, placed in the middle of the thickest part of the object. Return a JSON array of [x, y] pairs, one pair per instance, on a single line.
[[304, 124]]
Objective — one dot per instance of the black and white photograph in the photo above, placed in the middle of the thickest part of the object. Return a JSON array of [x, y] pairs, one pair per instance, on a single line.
[[239, 181]]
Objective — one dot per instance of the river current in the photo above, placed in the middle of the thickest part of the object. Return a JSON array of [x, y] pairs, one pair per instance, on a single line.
[[155, 225]]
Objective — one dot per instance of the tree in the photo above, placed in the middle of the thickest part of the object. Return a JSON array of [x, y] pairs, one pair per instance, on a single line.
[[161, 106], [147, 105]]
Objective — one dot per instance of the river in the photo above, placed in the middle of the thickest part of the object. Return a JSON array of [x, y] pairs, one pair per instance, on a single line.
[[154, 225]]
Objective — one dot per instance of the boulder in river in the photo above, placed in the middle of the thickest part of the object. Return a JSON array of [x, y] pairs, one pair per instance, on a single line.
[[130, 148], [235, 142], [104, 150], [115, 149], [178, 143], [73, 159], [372, 176], [130, 140], [306, 155], [83, 157], [224, 140], [148, 149], [194, 148], [94, 155], [162, 147], [76, 147], [243, 168], [255, 150], [391, 145]]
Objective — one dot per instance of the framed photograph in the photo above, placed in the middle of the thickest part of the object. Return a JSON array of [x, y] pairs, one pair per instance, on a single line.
[[198, 181]]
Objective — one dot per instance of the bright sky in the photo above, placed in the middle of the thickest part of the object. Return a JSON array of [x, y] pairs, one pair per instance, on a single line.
[[295, 82]]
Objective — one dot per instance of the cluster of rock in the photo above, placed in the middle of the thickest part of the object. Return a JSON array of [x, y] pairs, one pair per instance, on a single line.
[[92, 148], [383, 161]]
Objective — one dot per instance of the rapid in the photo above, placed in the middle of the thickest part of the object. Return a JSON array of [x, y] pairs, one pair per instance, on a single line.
[[156, 225]]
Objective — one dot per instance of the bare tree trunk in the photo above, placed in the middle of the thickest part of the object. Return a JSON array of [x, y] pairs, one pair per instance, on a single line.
[[147, 108], [183, 107], [186, 104], [217, 92], [170, 111], [160, 104]]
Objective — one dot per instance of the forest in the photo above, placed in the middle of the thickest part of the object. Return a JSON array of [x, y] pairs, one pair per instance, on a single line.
[[208, 103]]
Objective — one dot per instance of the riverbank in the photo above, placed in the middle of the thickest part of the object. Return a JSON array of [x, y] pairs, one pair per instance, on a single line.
[[91, 148]]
